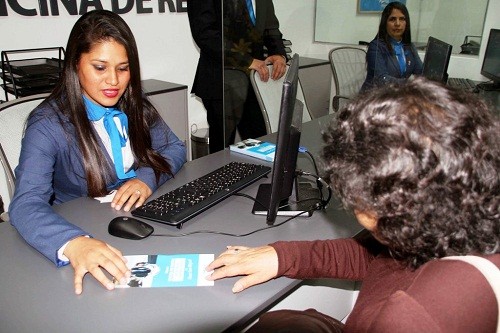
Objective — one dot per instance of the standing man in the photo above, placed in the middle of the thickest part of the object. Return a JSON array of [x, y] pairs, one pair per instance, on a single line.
[[249, 26], [241, 28], [205, 20]]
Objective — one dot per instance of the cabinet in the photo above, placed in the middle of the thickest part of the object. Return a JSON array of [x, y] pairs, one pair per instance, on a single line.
[[23, 75], [170, 99]]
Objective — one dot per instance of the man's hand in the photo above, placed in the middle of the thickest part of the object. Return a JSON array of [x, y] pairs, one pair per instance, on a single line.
[[132, 192], [259, 264], [88, 255], [261, 67], [279, 67]]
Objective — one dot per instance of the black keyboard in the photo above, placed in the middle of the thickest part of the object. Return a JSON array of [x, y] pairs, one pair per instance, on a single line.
[[187, 201], [462, 83]]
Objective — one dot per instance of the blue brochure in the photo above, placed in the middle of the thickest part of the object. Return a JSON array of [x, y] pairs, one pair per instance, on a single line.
[[255, 148], [167, 270]]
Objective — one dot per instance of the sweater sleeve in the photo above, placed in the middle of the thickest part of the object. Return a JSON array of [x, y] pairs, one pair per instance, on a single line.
[[446, 297], [441, 296], [339, 258]]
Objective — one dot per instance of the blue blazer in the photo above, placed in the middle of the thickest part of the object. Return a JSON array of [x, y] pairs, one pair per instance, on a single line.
[[383, 66], [51, 172]]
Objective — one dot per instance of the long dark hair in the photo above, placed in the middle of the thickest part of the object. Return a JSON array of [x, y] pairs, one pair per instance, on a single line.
[[425, 159], [382, 28], [92, 28]]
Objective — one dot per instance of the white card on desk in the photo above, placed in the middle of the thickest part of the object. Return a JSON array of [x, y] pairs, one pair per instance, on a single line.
[[107, 198]]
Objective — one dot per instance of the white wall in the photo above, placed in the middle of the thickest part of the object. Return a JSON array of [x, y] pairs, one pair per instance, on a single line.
[[448, 20], [167, 49], [297, 24]]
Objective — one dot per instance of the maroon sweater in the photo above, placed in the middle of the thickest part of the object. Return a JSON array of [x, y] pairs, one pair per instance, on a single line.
[[440, 296]]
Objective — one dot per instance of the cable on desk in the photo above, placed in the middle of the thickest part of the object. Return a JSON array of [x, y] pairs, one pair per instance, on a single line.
[[320, 205], [236, 235]]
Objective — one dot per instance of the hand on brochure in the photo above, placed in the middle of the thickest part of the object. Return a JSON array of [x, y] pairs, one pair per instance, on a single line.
[[258, 264], [89, 255]]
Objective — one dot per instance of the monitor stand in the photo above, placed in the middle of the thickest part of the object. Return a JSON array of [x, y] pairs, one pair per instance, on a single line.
[[489, 86], [302, 200]]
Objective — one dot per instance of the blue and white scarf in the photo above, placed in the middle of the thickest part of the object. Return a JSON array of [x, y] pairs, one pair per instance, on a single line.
[[117, 137]]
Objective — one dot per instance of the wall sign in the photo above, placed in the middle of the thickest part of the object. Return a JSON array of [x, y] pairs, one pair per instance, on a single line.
[[374, 6], [80, 7]]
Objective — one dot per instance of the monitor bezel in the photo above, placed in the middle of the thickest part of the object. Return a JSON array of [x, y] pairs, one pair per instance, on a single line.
[[489, 46], [271, 196], [432, 44]]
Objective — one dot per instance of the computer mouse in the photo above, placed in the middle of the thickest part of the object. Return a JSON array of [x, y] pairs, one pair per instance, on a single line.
[[129, 228]]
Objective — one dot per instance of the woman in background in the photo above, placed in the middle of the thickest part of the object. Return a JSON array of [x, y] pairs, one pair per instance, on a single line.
[[95, 133], [391, 56]]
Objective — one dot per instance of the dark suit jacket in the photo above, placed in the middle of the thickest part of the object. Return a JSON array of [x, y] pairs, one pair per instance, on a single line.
[[383, 66], [51, 170], [244, 41], [206, 22]]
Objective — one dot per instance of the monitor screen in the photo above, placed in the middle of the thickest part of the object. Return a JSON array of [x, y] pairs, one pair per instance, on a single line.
[[276, 194], [436, 60], [491, 60]]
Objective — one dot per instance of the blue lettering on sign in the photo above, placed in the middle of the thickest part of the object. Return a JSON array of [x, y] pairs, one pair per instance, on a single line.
[[80, 7]]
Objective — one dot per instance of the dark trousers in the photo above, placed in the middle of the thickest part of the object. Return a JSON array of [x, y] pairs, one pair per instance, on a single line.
[[251, 125], [240, 110], [215, 119]]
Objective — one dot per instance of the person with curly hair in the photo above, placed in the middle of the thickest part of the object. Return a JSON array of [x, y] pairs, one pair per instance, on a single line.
[[391, 56], [418, 164]]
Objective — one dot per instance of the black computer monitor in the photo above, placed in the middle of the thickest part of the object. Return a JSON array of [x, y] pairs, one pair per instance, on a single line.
[[491, 61], [272, 199], [436, 60]]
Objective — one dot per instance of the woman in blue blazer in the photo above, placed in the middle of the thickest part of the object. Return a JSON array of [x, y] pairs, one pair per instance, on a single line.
[[391, 56], [95, 133]]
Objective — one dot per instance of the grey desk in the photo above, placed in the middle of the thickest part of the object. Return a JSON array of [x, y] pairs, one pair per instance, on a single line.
[[35, 296]]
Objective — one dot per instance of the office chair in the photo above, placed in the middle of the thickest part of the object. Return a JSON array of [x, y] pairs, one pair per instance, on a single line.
[[269, 98], [349, 72], [13, 116]]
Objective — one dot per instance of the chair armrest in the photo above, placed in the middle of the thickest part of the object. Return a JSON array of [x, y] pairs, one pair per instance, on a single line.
[[336, 102]]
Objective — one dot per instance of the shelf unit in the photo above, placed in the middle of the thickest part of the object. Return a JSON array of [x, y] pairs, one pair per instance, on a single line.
[[29, 76]]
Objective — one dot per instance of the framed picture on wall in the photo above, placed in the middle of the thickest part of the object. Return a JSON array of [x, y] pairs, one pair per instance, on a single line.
[[374, 6]]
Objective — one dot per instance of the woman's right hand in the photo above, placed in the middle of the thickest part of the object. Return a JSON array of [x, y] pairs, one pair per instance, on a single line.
[[89, 255], [258, 264]]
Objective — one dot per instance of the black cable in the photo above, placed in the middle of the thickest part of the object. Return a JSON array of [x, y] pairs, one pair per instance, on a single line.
[[320, 182], [249, 197], [303, 149], [235, 235]]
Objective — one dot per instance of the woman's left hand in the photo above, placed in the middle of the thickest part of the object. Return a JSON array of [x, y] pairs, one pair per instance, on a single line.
[[133, 193]]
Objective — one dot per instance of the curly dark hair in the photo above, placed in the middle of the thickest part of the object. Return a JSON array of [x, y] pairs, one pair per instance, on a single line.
[[425, 160]]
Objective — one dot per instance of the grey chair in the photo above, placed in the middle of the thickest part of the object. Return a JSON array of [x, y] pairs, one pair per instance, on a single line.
[[269, 98], [349, 72], [13, 116]]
